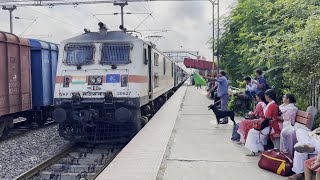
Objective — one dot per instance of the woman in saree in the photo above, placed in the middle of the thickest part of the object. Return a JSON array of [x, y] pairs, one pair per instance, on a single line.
[[288, 115], [247, 124]]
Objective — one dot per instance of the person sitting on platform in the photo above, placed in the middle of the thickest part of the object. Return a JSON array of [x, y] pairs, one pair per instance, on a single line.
[[308, 144], [258, 138], [257, 115], [288, 116], [311, 165], [251, 88], [261, 83]]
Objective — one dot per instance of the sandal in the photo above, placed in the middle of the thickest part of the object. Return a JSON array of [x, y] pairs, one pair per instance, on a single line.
[[252, 154], [305, 149], [296, 177], [240, 143]]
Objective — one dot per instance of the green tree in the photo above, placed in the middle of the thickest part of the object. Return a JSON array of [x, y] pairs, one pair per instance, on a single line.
[[280, 37]]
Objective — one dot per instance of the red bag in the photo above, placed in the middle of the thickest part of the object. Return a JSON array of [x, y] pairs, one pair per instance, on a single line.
[[277, 162]]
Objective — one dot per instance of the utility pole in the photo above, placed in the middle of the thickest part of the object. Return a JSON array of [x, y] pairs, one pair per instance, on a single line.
[[10, 9], [213, 2], [122, 5], [218, 38]]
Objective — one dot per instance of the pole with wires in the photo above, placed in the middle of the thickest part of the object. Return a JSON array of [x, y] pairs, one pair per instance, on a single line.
[[10, 9], [35, 20], [122, 5], [213, 2], [218, 37]]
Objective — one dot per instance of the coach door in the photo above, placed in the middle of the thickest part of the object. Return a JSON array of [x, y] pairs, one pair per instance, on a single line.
[[150, 91]]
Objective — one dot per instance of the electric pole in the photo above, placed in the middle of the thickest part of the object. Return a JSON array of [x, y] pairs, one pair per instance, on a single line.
[[122, 5], [10, 9]]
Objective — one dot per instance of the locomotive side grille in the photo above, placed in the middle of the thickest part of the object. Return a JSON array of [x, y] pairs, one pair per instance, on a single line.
[[115, 54]]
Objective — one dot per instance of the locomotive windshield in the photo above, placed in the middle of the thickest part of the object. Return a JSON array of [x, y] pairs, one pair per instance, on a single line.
[[115, 54], [78, 55]]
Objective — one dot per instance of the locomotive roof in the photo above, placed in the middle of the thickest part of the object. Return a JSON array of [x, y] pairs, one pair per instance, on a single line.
[[101, 36]]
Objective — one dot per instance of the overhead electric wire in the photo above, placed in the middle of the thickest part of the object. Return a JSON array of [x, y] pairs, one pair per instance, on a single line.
[[56, 19], [138, 18], [28, 27], [143, 21], [90, 14], [103, 14], [71, 2]]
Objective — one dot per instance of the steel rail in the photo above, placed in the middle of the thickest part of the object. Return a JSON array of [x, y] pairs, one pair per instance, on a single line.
[[40, 167]]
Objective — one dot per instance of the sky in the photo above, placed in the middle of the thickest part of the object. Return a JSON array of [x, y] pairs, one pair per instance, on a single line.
[[188, 22]]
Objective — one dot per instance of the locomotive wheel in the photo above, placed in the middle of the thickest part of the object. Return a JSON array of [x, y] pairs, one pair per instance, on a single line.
[[144, 121], [138, 126], [136, 123]]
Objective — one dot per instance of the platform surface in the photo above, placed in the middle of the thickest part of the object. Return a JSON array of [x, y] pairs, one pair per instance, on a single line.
[[182, 143], [142, 157], [199, 151]]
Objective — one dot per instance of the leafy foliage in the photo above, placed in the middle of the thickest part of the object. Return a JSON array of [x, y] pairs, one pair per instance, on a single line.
[[281, 37]]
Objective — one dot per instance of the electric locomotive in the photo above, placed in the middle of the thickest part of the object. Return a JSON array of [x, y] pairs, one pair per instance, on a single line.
[[109, 84]]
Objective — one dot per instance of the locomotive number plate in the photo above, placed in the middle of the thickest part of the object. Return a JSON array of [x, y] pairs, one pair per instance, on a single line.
[[123, 93]]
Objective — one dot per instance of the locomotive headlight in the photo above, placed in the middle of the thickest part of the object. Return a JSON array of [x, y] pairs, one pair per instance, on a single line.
[[124, 80], [92, 80], [99, 80]]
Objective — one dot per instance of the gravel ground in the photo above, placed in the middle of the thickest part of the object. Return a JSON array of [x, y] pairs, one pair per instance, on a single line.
[[20, 154]]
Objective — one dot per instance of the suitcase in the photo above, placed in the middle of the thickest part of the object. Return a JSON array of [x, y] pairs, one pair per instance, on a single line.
[[277, 162], [235, 134]]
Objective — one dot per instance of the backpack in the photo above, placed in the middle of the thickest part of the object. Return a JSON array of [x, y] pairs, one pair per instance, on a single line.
[[235, 135], [259, 126]]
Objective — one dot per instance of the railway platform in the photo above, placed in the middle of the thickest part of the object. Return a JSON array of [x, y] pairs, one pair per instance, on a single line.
[[181, 143]]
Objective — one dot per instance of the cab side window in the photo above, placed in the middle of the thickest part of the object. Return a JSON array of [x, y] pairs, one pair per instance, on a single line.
[[156, 59]]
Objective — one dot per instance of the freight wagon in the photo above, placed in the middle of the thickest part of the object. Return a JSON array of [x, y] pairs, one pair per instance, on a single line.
[[27, 76]]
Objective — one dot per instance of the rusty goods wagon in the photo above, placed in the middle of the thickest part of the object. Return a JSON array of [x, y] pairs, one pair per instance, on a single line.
[[15, 75], [15, 78], [27, 73]]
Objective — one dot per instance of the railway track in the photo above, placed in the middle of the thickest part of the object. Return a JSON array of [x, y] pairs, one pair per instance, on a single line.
[[75, 162], [22, 127]]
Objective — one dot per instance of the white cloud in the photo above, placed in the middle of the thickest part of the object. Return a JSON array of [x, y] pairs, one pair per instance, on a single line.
[[189, 22]]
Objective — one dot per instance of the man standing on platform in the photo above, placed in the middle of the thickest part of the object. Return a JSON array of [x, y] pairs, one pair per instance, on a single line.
[[223, 94]]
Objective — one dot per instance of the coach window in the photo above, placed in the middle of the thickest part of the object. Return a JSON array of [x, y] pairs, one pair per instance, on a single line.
[[156, 59], [164, 66], [145, 58]]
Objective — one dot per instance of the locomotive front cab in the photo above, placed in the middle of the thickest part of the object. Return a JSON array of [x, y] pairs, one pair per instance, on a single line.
[[93, 101]]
